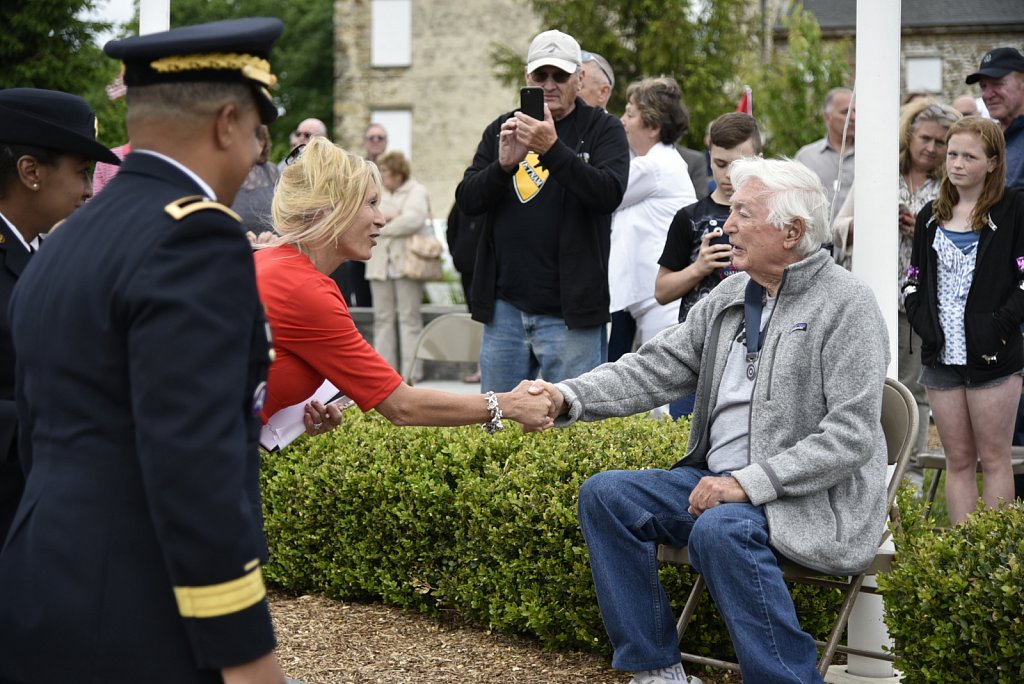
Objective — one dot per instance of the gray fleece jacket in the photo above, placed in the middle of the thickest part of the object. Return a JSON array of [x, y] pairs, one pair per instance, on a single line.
[[817, 452]]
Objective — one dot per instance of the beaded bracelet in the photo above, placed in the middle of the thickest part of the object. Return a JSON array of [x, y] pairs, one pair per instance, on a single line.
[[494, 424]]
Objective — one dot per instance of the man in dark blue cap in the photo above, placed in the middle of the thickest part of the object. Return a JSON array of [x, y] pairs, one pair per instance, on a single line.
[[135, 553], [1001, 79], [47, 146]]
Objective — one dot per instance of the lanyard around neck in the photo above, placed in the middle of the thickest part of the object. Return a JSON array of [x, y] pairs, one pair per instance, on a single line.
[[753, 305]]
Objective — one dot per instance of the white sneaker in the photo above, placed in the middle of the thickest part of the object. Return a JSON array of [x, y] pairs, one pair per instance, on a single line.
[[652, 678]]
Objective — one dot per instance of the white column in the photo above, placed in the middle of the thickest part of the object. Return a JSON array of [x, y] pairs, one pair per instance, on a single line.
[[154, 16], [876, 243]]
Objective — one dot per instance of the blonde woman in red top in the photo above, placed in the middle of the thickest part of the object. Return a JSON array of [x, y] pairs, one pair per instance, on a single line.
[[326, 210]]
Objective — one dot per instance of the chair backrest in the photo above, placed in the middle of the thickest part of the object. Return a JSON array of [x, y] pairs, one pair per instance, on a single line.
[[899, 423], [449, 337]]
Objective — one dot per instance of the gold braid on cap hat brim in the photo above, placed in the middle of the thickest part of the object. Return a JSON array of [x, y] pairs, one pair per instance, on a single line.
[[252, 67]]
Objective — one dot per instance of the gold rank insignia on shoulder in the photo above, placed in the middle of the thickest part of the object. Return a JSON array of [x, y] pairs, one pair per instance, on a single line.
[[186, 206]]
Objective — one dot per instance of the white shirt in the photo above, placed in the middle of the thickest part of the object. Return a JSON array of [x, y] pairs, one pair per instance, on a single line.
[[659, 186], [21, 238]]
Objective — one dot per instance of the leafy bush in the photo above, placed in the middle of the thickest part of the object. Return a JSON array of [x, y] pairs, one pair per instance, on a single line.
[[953, 598], [454, 519]]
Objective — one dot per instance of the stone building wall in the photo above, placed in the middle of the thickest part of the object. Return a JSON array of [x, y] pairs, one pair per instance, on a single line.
[[450, 86], [961, 54]]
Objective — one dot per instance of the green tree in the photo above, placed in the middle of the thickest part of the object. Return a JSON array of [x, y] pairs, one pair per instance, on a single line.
[[703, 45], [49, 45], [790, 87]]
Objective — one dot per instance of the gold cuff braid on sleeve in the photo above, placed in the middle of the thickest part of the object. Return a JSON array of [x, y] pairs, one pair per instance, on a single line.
[[216, 600]]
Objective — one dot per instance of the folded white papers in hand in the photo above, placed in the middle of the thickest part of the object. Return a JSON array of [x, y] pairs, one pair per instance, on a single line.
[[285, 426]]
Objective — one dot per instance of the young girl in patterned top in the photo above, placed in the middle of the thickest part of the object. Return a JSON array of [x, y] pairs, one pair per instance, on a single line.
[[964, 298]]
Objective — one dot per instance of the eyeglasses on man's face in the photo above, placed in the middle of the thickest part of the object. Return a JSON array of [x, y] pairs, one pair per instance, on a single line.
[[376, 138], [540, 76], [305, 135]]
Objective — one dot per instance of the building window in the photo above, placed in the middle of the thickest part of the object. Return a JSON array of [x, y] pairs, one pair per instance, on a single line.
[[391, 33], [924, 74], [398, 124]]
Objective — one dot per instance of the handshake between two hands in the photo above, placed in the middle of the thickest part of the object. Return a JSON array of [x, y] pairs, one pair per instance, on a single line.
[[534, 404]]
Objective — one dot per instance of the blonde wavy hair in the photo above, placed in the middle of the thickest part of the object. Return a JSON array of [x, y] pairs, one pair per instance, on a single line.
[[912, 115], [320, 193]]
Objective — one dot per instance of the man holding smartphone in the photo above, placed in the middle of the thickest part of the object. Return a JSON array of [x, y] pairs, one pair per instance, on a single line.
[[548, 188]]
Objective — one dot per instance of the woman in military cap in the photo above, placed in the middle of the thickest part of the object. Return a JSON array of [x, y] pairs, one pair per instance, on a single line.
[[47, 148]]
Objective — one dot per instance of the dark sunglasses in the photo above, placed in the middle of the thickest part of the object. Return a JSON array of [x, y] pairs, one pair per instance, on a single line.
[[294, 154], [303, 134], [541, 76]]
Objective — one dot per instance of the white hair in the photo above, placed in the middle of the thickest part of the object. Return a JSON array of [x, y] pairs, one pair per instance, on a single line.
[[793, 192]]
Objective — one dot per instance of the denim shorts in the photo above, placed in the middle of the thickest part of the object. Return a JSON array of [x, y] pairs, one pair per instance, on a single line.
[[944, 377]]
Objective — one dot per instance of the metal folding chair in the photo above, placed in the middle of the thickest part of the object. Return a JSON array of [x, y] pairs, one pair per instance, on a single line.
[[451, 337]]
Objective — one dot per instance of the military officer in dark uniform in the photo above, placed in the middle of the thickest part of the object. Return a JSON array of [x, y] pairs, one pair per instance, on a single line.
[[135, 554], [47, 147]]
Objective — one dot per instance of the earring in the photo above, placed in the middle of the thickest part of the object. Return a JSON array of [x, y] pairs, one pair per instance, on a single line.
[[35, 186]]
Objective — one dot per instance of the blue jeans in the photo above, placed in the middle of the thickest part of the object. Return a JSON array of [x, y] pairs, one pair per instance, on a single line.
[[683, 406], [519, 346], [624, 515]]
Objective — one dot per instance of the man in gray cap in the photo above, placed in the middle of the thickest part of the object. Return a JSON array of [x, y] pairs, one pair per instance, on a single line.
[[135, 554], [1001, 79], [548, 188]]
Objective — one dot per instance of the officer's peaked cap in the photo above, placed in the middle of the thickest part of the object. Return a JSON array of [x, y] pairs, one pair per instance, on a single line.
[[234, 51]]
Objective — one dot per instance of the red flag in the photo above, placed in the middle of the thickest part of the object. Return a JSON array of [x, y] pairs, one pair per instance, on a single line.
[[746, 104]]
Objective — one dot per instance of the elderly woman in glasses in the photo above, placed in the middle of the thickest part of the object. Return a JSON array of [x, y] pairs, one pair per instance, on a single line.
[[327, 210]]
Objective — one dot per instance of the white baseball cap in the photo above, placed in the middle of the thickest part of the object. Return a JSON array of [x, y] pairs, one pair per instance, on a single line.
[[554, 48]]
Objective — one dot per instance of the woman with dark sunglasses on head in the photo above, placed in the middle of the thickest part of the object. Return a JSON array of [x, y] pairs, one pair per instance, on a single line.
[[326, 210], [47, 149]]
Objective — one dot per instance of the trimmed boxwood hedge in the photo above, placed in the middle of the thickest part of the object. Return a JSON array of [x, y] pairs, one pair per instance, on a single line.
[[455, 519], [955, 597]]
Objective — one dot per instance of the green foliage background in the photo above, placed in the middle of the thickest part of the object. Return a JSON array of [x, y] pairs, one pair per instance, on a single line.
[[44, 44], [953, 598], [713, 49]]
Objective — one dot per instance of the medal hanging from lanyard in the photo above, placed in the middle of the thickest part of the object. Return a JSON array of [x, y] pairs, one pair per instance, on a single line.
[[753, 305]]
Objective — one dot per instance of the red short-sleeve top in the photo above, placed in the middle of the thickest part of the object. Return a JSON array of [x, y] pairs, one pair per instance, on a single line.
[[314, 336]]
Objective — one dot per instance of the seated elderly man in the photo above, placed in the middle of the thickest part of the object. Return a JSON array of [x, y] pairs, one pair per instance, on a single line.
[[786, 455]]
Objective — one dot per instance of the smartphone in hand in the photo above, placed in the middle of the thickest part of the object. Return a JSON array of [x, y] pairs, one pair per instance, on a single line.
[[720, 239], [531, 102]]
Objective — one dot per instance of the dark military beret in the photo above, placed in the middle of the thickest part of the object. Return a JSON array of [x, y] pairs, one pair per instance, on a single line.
[[236, 51], [53, 120]]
